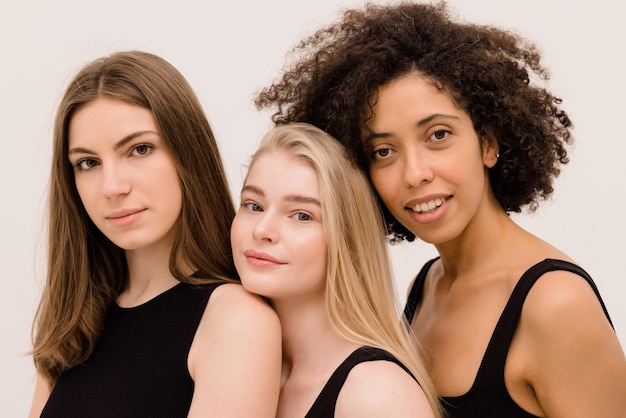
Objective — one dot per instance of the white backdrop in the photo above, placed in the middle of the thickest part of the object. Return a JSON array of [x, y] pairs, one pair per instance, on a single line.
[[228, 51]]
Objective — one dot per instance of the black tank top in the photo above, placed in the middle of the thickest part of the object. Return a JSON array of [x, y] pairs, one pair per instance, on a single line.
[[488, 396], [139, 367], [324, 405]]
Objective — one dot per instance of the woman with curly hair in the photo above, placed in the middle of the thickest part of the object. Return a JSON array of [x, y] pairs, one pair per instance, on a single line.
[[455, 129]]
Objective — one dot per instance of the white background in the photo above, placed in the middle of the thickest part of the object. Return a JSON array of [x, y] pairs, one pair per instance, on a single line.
[[228, 51]]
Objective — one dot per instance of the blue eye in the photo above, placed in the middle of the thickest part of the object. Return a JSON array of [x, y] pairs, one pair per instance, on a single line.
[[302, 216], [254, 207]]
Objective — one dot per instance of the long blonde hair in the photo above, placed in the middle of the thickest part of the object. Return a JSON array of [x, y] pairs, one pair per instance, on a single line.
[[86, 271], [360, 292]]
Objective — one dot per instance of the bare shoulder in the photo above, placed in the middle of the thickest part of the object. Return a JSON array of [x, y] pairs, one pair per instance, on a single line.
[[562, 308], [233, 305], [571, 350], [235, 320], [235, 355], [561, 297], [40, 397], [381, 389]]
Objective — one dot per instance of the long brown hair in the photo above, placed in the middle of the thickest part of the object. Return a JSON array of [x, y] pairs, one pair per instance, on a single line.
[[86, 271]]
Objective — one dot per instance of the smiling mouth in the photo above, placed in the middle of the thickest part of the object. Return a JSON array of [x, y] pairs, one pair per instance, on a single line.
[[427, 207]]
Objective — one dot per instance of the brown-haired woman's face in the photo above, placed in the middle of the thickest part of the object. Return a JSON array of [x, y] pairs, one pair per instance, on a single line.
[[426, 162], [125, 176]]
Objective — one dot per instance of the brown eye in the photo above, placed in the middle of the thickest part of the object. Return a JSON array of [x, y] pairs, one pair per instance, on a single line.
[[381, 153], [86, 164], [142, 149], [440, 135]]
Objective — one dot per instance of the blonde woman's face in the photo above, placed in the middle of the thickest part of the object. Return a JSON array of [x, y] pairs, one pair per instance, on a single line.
[[278, 240], [124, 174]]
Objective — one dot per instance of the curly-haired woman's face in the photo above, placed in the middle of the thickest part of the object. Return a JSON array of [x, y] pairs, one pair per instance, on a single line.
[[427, 164]]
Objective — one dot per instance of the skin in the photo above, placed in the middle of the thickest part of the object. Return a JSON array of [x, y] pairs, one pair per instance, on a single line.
[[128, 183], [280, 252], [425, 148]]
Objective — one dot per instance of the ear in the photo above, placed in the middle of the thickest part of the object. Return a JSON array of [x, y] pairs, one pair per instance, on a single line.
[[491, 150]]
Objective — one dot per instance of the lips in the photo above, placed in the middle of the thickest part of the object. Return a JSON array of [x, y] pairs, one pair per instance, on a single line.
[[122, 213], [261, 258], [124, 217]]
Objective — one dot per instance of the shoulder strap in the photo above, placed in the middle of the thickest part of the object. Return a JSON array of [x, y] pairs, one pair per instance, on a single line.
[[324, 405], [491, 370], [415, 295]]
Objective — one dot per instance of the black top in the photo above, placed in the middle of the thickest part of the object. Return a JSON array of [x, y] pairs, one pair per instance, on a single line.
[[488, 396], [324, 405], [139, 367]]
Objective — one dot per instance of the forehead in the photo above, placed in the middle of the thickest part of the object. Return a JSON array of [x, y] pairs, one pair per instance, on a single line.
[[108, 119], [278, 172]]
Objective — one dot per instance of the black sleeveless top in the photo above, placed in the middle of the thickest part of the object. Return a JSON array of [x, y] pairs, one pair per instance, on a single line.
[[139, 367], [488, 396], [324, 405]]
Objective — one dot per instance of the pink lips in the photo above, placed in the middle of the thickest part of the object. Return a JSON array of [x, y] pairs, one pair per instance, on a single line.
[[124, 217], [259, 259]]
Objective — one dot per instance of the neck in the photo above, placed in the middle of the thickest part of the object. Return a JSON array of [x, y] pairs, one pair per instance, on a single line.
[[149, 274], [481, 244], [310, 344]]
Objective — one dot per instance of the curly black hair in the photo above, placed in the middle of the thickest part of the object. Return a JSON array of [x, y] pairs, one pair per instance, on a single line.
[[494, 75]]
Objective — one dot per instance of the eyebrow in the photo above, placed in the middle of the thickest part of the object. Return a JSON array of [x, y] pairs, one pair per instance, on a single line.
[[119, 144], [298, 198], [419, 124]]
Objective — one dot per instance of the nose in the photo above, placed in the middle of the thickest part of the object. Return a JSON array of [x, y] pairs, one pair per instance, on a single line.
[[266, 228], [417, 168], [115, 181]]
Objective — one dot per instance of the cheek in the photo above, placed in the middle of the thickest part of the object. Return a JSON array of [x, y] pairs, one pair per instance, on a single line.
[[383, 183], [315, 249], [88, 198], [236, 231]]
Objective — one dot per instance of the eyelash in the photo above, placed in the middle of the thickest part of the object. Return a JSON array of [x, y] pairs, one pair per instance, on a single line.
[[248, 205], [308, 216], [79, 164], [255, 207], [446, 133], [376, 153], [149, 148]]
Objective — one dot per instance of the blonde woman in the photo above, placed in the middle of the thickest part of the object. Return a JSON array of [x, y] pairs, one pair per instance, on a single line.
[[308, 236]]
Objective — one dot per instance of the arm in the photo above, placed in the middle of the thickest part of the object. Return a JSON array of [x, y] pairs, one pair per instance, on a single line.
[[235, 359], [42, 393], [381, 389], [576, 364]]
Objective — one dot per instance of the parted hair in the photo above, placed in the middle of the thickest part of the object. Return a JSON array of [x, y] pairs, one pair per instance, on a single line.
[[86, 272], [359, 292], [495, 75]]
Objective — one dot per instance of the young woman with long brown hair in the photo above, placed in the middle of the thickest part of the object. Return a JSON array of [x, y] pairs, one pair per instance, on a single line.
[[142, 313]]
